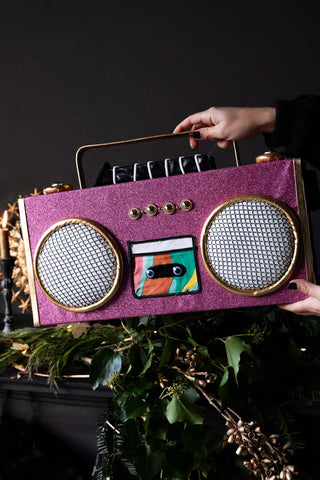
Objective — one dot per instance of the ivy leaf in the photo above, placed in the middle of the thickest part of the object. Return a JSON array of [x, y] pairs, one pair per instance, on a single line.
[[191, 395], [180, 410], [133, 408], [234, 348], [156, 426], [166, 353], [194, 440], [137, 359], [103, 365], [149, 463], [147, 365], [227, 388], [143, 321], [150, 346]]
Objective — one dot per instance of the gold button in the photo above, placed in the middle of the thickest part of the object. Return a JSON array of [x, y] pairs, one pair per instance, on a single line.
[[57, 187], [134, 213], [151, 210], [169, 208], [269, 157], [186, 205]]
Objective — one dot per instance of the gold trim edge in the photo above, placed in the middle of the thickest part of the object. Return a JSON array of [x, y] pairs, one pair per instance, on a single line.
[[28, 255], [304, 220]]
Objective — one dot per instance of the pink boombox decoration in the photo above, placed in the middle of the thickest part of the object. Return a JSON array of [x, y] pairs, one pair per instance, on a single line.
[[198, 241]]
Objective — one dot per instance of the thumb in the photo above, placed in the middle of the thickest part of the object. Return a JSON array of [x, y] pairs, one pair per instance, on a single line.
[[305, 287]]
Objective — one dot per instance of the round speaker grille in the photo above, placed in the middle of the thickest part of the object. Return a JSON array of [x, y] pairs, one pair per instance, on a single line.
[[78, 264], [249, 244]]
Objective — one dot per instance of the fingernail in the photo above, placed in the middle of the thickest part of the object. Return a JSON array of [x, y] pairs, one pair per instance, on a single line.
[[196, 134], [292, 286]]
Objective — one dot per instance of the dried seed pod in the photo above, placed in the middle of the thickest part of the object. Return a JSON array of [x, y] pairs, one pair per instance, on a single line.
[[202, 383], [248, 465], [287, 445], [231, 438], [241, 451], [211, 377]]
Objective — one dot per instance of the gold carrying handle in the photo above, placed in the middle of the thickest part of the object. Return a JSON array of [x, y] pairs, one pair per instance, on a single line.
[[84, 148]]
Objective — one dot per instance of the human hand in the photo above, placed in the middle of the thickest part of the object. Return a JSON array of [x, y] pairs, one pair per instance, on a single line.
[[225, 124], [309, 306]]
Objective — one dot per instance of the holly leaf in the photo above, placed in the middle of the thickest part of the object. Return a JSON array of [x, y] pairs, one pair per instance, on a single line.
[[180, 410], [103, 365]]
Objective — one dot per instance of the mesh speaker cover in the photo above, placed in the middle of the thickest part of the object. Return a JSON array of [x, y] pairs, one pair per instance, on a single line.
[[78, 265], [249, 244]]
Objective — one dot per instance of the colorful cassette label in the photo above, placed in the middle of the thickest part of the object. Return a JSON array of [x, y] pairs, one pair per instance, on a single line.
[[164, 267]]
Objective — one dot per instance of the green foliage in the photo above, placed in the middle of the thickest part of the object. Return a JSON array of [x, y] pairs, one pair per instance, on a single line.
[[104, 365], [160, 370]]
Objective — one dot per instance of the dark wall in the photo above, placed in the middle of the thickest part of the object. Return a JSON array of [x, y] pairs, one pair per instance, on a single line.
[[78, 71]]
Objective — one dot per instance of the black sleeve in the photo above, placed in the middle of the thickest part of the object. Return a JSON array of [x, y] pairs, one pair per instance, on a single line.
[[297, 127]]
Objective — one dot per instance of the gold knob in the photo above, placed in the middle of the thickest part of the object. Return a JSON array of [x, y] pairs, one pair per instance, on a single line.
[[134, 213], [151, 210], [186, 205], [169, 208], [269, 157], [57, 187]]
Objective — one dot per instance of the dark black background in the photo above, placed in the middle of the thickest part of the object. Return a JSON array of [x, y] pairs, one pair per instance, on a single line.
[[78, 71]]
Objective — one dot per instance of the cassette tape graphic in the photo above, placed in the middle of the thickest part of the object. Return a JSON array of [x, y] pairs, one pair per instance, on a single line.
[[164, 267], [204, 240]]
